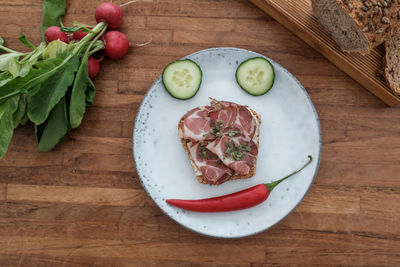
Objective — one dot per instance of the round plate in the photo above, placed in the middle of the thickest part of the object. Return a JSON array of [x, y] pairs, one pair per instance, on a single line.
[[289, 132]]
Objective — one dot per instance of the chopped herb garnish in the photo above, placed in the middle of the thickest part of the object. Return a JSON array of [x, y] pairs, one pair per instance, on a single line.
[[217, 129], [236, 152], [219, 162], [229, 148], [202, 151], [232, 133], [245, 147]]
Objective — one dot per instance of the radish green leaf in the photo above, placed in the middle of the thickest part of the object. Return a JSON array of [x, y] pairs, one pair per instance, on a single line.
[[52, 13]]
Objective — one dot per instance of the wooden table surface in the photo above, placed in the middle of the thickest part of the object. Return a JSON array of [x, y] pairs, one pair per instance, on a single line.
[[83, 204]]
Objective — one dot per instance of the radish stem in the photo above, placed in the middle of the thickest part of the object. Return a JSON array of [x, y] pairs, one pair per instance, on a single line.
[[98, 28], [143, 44], [130, 2], [5, 49]]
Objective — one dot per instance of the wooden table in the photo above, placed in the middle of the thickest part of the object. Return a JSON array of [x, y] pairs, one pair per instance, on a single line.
[[83, 204]]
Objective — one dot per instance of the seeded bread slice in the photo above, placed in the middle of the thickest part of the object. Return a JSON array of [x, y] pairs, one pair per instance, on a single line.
[[197, 171], [392, 62], [358, 25]]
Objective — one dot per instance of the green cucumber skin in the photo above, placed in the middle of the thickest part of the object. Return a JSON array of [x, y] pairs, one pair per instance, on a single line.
[[166, 87], [244, 89]]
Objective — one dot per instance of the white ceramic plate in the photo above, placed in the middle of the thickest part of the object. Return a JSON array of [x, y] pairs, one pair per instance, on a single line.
[[289, 132]]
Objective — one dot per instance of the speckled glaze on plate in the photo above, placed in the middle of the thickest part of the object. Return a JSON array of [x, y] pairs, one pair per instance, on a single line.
[[289, 132]]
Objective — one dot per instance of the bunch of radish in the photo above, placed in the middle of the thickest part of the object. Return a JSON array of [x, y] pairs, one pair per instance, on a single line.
[[116, 44], [51, 84]]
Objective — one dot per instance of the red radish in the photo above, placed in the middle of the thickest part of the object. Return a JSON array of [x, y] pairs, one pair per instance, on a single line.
[[78, 35], [116, 44], [110, 13], [54, 33], [93, 67]]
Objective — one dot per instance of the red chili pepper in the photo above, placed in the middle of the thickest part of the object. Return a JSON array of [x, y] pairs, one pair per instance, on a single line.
[[236, 201]]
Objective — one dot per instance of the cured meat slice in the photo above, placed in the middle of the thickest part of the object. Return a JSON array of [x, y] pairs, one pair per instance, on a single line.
[[238, 153], [196, 125], [228, 115], [246, 121], [212, 169]]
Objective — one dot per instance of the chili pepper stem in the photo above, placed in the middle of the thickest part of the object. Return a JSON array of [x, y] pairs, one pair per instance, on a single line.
[[272, 185]]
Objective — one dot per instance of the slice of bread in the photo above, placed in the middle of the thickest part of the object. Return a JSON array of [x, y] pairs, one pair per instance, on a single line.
[[392, 62], [358, 26], [197, 171]]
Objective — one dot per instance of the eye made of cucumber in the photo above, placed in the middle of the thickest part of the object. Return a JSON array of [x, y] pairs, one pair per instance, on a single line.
[[182, 78], [255, 76]]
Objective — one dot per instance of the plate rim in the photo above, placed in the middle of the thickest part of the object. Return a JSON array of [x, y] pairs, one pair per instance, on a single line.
[[158, 80]]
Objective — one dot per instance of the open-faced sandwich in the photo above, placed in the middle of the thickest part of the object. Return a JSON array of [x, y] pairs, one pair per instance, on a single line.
[[221, 141]]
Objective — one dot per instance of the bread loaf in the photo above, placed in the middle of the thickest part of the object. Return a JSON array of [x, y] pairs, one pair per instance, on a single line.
[[392, 62], [358, 25]]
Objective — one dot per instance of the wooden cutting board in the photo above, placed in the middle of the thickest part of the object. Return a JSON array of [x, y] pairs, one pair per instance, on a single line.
[[296, 15]]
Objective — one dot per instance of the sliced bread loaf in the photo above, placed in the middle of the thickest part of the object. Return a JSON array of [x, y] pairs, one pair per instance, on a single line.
[[392, 62], [358, 25]]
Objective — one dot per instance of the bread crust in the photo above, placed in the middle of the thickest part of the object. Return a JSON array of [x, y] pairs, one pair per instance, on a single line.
[[375, 20], [196, 170], [391, 62]]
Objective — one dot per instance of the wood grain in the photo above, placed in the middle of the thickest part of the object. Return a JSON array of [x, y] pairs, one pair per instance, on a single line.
[[297, 17], [82, 204], [3, 192], [77, 195]]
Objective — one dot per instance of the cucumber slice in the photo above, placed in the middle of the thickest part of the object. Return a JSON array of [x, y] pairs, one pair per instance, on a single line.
[[255, 75], [182, 78]]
